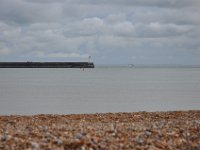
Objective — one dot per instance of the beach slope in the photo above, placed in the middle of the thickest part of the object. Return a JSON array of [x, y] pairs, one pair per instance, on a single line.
[[140, 130]]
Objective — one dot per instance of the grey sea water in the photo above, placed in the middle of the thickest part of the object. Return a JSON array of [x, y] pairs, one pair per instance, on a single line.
[[68, 91]]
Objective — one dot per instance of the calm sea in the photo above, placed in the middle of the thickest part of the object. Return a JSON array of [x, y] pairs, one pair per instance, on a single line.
[[68, 91]]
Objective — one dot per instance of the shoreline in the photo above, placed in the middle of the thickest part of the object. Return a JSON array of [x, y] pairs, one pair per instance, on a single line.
[[137, 130]]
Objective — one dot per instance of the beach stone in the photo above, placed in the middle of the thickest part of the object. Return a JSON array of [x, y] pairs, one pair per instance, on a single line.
[[6, 137], [79, 136], [59, 142], [82, 147], [139, 140], [35, 145], [148, 133], [45, 128]]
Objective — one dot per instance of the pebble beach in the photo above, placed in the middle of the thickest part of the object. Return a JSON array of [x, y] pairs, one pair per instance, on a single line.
[[139, 130]]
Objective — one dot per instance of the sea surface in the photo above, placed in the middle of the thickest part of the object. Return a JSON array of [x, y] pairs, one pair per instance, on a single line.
[[70, 91]]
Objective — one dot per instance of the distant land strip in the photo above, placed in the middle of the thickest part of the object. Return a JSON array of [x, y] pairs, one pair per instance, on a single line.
[[47, 65]]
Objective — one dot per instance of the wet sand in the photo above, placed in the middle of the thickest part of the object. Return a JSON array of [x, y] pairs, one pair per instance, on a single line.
[[140, 130]]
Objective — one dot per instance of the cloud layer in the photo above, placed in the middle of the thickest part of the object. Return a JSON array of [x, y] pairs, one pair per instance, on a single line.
[[114, 32]]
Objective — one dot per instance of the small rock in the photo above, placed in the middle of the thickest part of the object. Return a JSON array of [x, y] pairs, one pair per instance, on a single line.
[[148, 133], [139, 140], [12, 122], [48, 134], [79, 136], [82, 147], [45, 129], [35, 145], [59, 142], [114, 134], [6, 138]]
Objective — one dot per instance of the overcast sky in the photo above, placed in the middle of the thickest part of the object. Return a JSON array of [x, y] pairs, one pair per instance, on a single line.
[[140, 32]]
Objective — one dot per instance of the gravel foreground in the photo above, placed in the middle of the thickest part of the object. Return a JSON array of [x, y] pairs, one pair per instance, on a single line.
[[141, 130]]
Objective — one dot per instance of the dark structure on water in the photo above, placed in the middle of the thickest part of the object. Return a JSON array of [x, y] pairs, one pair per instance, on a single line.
[[46, 65]]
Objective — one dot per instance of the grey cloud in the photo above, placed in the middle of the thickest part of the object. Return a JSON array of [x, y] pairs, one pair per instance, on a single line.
[[61, 55], [21, 12], [156, 29], [45, 1], [152, 3], [111, 31], [29, 11], [100, 27]]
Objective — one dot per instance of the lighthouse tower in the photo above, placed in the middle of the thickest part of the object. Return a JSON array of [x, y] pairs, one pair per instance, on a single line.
[[89, 59]]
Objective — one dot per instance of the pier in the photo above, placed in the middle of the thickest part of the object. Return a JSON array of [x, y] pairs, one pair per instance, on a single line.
[[46, 65]]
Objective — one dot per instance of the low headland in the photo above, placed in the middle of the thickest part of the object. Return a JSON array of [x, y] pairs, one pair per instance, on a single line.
[[139, 130]]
